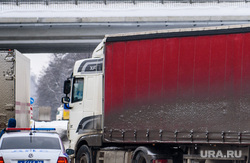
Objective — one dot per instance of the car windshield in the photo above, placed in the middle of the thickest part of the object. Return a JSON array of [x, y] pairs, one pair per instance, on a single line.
[[30, 143]]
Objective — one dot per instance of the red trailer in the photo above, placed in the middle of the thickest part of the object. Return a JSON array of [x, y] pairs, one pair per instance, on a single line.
[[170, 95]]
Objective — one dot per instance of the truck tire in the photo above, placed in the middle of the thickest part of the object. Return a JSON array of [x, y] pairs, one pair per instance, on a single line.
[[141, 157], [83, 155]]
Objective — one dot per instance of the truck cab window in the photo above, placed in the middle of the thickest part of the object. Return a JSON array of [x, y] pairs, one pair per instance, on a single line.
[[77, 93]]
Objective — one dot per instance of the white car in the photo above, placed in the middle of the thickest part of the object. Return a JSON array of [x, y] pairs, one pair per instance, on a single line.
[[32, 147]]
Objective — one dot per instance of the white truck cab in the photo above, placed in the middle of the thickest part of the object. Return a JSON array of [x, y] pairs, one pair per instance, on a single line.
[[85, 90]]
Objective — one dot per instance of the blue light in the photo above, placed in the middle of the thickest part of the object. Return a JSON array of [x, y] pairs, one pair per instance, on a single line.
[[43, 129]]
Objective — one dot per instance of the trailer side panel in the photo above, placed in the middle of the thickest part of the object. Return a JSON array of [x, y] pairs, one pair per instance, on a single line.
[[7, 95], [22, 90], [178, 89]]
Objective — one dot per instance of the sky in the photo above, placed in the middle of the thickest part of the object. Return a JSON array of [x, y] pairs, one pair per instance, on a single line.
[[38, 62]]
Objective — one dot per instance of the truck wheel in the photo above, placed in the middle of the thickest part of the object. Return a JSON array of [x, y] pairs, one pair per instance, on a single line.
[[141, 157], [84, 155]]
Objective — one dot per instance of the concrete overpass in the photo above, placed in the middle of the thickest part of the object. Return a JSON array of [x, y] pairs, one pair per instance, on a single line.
[[75, 37], [30, 30]]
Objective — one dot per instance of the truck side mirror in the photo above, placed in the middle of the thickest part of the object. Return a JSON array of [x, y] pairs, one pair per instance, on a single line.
[[65, 100], [70, 151], [66, 88]]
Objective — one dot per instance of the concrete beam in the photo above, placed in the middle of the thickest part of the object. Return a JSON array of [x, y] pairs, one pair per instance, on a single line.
[[23, 20], [80, 37]]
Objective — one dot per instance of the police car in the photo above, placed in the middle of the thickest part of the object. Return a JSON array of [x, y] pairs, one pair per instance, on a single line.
[[17, 146]]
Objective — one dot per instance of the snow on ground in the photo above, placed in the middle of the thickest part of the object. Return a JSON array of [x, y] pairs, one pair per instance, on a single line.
[[61, 128], [125, 10]]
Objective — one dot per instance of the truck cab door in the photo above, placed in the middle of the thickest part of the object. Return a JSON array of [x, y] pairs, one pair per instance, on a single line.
[[76, 102]]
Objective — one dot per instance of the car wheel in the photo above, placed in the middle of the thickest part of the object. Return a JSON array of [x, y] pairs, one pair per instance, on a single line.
[[141, 158], [84, 155]]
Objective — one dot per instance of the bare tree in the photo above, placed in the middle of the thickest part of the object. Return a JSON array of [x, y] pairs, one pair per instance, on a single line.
[[50, 84]]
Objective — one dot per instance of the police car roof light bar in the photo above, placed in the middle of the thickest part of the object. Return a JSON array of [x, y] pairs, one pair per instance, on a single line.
[[20, 129]]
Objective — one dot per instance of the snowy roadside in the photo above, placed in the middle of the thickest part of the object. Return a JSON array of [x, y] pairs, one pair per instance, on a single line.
[[61, 128], [123, 10]]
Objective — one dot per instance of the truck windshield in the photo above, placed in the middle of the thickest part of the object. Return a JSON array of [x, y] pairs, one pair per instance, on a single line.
[[77, 93], [30, 143]]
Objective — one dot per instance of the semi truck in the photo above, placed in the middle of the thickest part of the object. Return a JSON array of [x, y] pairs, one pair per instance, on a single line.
[[14, 88], [180, 95], [62, 113]]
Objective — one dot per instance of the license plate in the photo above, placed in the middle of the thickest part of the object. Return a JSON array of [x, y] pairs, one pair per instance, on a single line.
[[30, 161]]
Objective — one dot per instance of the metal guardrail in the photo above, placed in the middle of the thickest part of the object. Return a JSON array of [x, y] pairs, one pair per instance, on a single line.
[[105, 2]]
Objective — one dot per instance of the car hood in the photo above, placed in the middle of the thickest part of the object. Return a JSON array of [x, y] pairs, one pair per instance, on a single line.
[[47, 156]]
